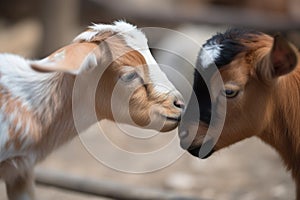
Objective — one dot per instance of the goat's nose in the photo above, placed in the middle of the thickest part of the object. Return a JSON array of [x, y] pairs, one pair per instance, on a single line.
[[179, 104]]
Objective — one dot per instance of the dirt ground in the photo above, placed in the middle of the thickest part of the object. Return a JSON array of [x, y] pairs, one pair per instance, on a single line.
[[249, 170], [48, 193]]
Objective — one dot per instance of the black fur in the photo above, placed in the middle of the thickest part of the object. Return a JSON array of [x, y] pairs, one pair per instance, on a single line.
[[230, 43], [203, 97]]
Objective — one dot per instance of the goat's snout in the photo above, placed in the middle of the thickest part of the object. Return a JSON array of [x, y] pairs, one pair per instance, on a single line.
[[202, 151], [179, 108], [177, 100], [179, 103], [191, 142]]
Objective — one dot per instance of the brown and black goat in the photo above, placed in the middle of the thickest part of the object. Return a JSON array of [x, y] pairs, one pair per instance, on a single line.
[[261, 91]]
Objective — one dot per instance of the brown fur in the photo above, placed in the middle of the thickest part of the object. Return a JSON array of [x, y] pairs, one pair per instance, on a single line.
[[51, 124]]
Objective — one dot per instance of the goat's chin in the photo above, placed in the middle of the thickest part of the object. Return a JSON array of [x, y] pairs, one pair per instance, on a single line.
[[169, 126], [203, 151], [196, 152], [169, 123]]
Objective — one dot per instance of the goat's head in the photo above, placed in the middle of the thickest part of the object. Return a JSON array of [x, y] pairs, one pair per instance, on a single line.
[[131, 82], [250, 64]]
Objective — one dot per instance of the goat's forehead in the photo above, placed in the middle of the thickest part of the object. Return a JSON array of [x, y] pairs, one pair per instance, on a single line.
[[222, 48], [133, 37], [136, 40]]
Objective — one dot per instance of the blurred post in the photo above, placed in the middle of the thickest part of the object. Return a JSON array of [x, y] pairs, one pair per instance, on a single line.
[[59, 20], [294, 9]]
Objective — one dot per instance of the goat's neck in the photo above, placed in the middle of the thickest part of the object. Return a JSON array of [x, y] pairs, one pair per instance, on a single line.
[[54, 99], [56, 114], [283, 132]]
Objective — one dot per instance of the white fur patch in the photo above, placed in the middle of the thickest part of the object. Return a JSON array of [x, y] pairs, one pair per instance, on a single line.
[[209, 54], [158, 78], [133, 36], [25, 85], [137, 40]]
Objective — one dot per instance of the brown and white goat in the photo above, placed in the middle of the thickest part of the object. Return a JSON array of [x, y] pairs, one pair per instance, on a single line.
[[261, 76], [36, 97]]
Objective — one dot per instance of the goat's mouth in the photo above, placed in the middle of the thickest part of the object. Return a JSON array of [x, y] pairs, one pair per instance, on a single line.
[[169, 122], [172, 118], [203, 151]]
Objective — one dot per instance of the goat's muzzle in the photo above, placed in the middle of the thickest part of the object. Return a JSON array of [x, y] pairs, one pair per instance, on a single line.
[[173, 115], [202, 151]]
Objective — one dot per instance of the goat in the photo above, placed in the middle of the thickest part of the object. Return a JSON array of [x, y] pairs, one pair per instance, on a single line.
[[261, 77], [36, 97]]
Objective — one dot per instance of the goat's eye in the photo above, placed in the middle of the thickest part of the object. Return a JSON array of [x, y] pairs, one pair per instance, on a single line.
[[230, 93], [130, 76]]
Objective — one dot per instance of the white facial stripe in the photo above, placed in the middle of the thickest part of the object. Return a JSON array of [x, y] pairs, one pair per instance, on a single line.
[[209, 54], [137, 40], [157, 76]]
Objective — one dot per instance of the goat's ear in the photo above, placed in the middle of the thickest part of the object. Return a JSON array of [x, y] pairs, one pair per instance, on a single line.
[[283, 57], [74, 58]]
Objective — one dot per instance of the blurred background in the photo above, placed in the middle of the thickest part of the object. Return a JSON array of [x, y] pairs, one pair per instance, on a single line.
[[249, 170]]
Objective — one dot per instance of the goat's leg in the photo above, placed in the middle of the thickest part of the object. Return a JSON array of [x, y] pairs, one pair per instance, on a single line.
[[21, 187]]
